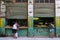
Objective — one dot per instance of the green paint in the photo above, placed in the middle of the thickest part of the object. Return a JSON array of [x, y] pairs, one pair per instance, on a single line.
[[21, 32], [8, 32], [30, 26], [57, 25], [41, 32], [2, 29], [24, 32]]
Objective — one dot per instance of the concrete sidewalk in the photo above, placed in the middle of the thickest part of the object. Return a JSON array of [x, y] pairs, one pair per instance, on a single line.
[[27, 38]]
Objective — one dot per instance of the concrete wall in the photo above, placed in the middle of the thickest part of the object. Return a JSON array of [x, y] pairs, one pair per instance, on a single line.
[[44, 10], [24, 32], [16, 11]]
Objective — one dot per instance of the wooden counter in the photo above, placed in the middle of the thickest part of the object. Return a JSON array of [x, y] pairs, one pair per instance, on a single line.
[[39, 26], [19, 27]]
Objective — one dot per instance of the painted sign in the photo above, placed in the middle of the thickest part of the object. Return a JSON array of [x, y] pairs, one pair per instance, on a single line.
[[30, 17], [30, 8], [30, 13], [57, 19], [57, 7], [57, 2], [3, 9]]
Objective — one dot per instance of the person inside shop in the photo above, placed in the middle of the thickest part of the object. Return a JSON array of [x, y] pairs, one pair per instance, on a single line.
[[15, 28], [51, 30]]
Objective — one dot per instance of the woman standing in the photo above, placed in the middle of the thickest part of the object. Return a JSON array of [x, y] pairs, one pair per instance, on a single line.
[[51, 30], [14, 30]]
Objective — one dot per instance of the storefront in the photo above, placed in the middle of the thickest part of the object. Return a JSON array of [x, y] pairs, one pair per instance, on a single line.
[[33, 17]]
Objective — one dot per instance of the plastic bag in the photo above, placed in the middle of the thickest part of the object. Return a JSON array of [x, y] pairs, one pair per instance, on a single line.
[[16, 34]]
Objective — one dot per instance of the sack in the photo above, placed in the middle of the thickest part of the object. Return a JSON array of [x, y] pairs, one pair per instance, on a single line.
[[51, 30]]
